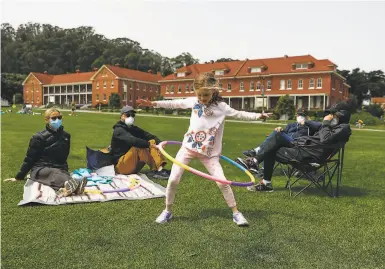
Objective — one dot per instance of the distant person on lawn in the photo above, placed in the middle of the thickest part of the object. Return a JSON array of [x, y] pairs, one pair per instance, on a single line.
[[132, 147], [47, 155]]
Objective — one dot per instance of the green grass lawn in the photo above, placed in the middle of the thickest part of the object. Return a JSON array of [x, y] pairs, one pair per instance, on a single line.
[[310, 231]]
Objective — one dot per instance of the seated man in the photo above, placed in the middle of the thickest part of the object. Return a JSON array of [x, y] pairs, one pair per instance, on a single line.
[[47, 158], [131, 147], [335, 128], [303, 126]]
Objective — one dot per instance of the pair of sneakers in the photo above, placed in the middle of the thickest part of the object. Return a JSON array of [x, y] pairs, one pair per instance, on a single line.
[[73, 186], [162, 174], [238, 218], [249, 163]]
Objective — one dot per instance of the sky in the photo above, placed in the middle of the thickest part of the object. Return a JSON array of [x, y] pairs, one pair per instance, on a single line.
[[350, 34]]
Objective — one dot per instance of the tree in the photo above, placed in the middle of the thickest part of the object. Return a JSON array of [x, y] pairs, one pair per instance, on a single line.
[[375, 110], [11, 84], [18, 98], [114, 100], [285, 105], [225, 60]]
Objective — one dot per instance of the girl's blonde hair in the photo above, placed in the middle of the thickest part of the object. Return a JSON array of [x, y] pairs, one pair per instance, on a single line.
[[209, 82], [49, 111]]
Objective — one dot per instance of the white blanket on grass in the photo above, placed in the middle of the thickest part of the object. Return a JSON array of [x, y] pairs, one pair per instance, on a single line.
[[35, 192]]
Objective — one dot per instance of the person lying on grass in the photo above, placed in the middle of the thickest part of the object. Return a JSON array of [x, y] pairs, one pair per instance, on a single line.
[[47, 155]]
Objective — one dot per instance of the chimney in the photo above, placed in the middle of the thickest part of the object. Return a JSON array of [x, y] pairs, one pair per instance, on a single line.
[[149, 71], [77, 71], [45, 72], [211, 61], [286, 56], [95, 69], [118, 65]]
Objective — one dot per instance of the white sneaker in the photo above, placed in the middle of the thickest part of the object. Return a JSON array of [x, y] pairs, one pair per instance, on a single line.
[[164, 216], [239, 219]]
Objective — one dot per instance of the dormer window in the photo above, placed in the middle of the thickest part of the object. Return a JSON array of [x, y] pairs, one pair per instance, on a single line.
[[219, 72], [256, 70], [181, 74], [301, 66]]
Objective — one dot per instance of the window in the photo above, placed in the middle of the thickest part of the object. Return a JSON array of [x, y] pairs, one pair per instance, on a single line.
[[124, 96], [258, 86], [97, 85], [255, 70], [129, 97], [172, 88], [179, 89], [130, 84], [219, 72], [144, 87], [104, 84], [137, 86], [289, 84], [242, 86], [251, 85], [228, 86], [97, 97], [269, 85], [180, 74], [112, 83], [301, 66], [319, 83], [167, 90], [311, 83], [192, 88], [104, 97], [300, 84], [282, 84], [220, 87], [187, 88]]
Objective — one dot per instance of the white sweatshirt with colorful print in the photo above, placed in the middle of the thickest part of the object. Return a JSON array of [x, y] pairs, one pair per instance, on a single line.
[[206, 123]]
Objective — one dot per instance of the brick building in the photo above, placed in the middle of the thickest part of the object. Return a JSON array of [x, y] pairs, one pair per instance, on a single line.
[[90, 87], [250, 84]]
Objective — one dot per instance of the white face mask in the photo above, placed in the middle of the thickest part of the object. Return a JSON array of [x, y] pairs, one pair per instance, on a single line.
[[129, 121], [334, 121], [300, 119]]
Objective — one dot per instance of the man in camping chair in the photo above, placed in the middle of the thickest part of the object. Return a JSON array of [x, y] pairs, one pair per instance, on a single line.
[[335, 129], [132, 147]]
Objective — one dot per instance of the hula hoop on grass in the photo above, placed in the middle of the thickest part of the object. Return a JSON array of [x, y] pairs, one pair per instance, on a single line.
[[204, 175], [134, 184]]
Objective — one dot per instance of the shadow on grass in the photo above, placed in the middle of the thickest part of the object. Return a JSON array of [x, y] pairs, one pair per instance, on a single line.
[[346, 191]]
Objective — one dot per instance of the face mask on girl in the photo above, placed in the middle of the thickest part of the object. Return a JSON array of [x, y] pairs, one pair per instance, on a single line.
[[129, 121], [55, 124]]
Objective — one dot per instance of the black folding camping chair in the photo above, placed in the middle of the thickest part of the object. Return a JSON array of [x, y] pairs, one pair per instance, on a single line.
[[317, 173]]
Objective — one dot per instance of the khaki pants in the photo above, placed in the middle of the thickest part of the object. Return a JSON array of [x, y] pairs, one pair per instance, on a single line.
[[134, 160]]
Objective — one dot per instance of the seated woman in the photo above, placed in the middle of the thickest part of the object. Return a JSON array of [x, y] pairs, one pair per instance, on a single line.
[[47, 157], [335, 129]]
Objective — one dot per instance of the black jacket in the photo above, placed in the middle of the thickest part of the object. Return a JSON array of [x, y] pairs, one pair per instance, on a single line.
[[47, 148], [296, 130], [327, 135], [124, 137]]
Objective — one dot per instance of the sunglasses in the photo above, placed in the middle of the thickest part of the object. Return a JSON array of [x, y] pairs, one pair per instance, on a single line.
[[130, 114], [57, 117]]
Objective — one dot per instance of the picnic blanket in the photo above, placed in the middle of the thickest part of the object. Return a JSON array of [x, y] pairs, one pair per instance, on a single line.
[[35, 192]]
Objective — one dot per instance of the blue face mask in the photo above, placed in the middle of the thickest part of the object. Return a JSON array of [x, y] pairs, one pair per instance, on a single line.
[[55, 124]]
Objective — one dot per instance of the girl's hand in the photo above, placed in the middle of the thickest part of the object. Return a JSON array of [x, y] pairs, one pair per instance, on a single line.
[[145, 103]]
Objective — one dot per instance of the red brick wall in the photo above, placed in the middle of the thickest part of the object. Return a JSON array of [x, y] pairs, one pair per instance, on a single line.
[[33, 92]]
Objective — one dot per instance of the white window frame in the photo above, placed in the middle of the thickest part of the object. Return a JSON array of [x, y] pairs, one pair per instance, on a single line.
[[97, 85], [268, 85], [289, 85], [311, 83], [192, 88], [97, 97], [301, 66], [229, 87], [256, 70], [167, 90], [172, 89], [242, 86], [319, 82], [300, 80], [258, 87], [112, 84], [251, 86], [219, 72], [131, 84], [181, 74], [104, 97], [220, 87], [187, 88], [282, 84], [179, 89], [104, 84]]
